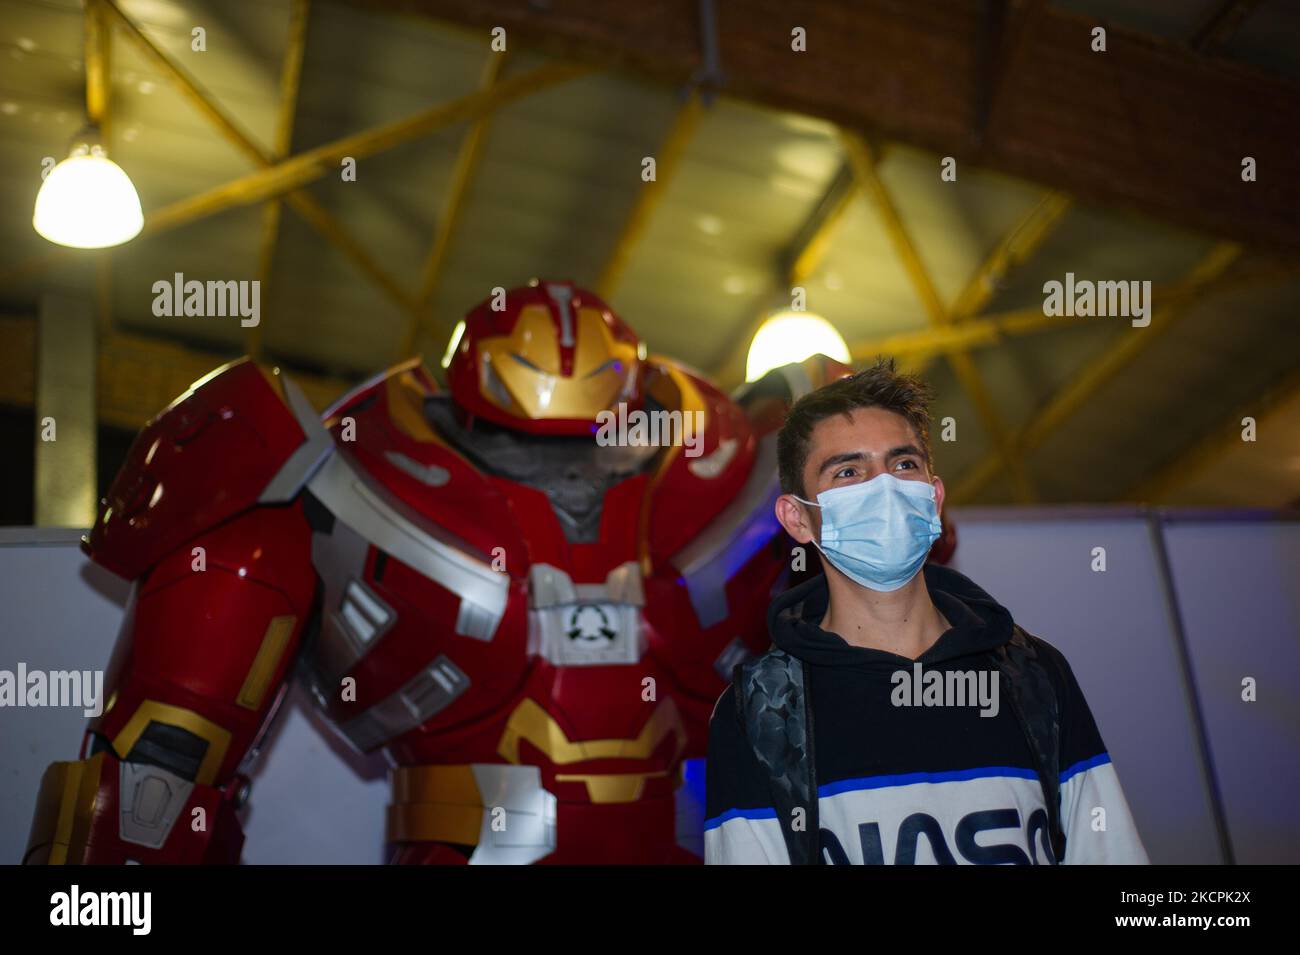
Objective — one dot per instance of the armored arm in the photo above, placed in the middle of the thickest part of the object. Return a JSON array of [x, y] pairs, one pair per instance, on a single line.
[[205, 518]]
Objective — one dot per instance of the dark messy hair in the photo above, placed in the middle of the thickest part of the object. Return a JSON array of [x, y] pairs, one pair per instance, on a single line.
[[880, 386]]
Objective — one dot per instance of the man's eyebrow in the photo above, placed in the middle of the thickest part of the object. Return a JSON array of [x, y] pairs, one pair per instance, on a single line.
[[843, 457], [903, 449]]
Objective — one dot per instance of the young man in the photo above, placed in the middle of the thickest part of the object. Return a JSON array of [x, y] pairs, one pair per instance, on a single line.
[[929, 726]]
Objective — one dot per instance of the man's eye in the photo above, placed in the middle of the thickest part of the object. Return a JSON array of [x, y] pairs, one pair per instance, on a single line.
[[844, 472], [907, 462]]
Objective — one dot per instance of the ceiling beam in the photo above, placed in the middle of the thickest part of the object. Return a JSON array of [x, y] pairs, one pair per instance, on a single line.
[[963, 366], [992, 329], [805, 254], [1092, 378], [311, 210], [1020, 244], [1015, 248], [297, 171], [462, 175], [650, 194], [1222, 438], [916, 347], [185, 84], [1111, 128], [306, 167], [99, 76], [290, 80]]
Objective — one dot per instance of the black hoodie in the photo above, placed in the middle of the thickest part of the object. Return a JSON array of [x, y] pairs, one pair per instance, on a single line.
[[918, 760]]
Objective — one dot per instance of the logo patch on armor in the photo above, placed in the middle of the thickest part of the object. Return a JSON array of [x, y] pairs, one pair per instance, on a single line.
[[585, 625], [589, 624], [586, 633]]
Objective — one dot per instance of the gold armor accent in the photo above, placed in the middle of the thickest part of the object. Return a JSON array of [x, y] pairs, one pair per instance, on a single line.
[[64, 808], [406, 405], [152, 711], [526, 363], [612, 787], [435, 804], [443, 803], [674, 390], [531, 722], [258, 681]]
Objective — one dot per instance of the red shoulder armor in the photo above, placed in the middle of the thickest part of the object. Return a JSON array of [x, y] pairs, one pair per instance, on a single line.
[[695, 484], [713, 517], [731, 481], [240, 436]]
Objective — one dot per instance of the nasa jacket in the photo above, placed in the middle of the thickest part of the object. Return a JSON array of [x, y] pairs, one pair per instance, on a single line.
[[918, 761]]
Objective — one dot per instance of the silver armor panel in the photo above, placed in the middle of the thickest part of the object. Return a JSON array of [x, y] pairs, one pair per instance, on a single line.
[[734, 536], [346, 633], [309, 456], [355, 504], [354, 618], [426, 694], [518, 815], [430, 474], [150, 799]]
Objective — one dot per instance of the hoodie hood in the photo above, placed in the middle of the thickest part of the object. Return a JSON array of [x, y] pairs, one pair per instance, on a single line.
[[978, 623]]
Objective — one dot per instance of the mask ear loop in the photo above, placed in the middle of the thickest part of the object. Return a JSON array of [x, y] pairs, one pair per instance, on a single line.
[[811, 504]]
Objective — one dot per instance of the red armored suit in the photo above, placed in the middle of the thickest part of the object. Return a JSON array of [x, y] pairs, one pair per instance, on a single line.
[[528, 590]]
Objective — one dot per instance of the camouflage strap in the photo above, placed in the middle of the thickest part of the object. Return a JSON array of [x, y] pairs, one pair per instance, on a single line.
[[1033, 698], [775, 713]]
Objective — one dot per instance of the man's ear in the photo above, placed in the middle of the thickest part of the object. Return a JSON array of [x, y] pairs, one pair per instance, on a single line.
[[795, 519], [938, 493]]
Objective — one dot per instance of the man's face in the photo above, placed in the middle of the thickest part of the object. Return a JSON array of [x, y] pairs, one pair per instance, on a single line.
[[849, 450]]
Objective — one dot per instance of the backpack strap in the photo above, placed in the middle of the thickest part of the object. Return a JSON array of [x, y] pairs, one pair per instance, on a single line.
[[775, 711], [1034, 701]]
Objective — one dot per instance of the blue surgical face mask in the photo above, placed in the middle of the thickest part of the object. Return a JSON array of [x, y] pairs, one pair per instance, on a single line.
[[878, 532]]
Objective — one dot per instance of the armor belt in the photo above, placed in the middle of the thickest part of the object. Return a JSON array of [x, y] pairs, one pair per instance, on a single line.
[[503, 810]]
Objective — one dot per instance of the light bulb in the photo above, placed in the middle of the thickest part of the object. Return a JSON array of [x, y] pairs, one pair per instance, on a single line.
[[793, 336], [88, 202]]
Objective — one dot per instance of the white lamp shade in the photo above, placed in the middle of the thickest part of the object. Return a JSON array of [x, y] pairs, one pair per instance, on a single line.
[[793, 336], [88, 202]]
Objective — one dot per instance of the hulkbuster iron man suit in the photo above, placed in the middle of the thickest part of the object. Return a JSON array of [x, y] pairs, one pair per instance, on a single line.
[[531, 624]]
